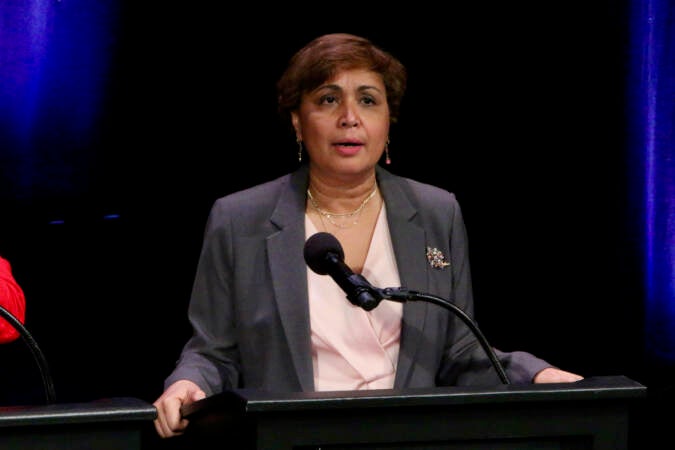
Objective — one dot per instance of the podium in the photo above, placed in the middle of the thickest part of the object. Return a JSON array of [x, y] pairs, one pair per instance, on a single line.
[[593, 414], [106, 424]]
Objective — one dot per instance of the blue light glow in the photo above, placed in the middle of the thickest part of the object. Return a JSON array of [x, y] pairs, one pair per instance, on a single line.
[[55, 59], [652, 92]]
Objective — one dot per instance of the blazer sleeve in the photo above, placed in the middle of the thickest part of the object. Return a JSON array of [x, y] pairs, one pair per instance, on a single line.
[[210, 357]]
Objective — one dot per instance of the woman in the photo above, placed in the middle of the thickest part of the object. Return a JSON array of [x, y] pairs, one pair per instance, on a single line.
[[261, 319], [12, 299]]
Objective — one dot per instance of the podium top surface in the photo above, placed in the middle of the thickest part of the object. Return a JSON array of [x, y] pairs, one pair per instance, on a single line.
[[252, 401], [103, 410]]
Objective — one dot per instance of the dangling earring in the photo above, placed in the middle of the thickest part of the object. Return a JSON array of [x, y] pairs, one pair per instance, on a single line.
[[299, 149], [387, 159]]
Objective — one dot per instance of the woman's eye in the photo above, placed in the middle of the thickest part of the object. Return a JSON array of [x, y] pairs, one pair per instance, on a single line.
[[328, 99]]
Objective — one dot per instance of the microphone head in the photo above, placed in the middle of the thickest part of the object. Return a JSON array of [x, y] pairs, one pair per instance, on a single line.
[[317, 248]]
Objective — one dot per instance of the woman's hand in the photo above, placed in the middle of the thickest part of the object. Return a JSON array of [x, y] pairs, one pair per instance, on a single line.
[[554, 375], [169, 421]]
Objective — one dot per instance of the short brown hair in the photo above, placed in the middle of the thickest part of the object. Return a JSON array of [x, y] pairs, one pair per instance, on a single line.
[[326, 55]]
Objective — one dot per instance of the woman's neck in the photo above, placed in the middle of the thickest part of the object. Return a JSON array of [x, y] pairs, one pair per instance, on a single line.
[[340, 197]]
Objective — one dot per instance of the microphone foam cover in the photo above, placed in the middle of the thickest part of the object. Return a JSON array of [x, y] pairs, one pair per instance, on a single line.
[[316, 251]]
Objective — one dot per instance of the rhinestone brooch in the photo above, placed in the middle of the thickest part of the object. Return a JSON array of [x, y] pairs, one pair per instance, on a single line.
[[436, 258]]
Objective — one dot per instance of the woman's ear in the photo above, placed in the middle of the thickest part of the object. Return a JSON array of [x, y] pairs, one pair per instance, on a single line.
[[295, 120]]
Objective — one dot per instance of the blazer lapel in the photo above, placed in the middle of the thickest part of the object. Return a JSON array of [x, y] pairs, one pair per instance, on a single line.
[[409, 246], [289, 276]]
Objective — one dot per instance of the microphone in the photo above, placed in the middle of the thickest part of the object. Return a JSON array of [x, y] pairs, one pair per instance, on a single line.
[[324, 255]]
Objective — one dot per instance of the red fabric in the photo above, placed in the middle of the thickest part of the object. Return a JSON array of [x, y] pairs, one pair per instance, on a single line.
[[12, 299]]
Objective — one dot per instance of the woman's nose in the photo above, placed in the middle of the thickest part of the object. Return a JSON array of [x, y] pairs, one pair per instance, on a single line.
[[348, 122], [349, 114], [349, 118]]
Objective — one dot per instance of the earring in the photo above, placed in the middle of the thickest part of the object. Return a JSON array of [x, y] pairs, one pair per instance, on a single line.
[[387, 159], [299, 149]]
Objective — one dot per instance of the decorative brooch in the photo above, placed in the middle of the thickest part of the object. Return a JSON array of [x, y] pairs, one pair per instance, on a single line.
[[436, 258]]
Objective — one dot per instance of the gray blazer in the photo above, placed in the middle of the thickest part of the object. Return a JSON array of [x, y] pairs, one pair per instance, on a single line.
[[249, 307]]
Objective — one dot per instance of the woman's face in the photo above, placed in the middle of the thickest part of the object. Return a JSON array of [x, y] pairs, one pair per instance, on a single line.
[[344, 123]]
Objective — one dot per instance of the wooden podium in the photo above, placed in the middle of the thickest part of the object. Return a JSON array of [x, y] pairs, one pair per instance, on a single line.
[[589, 414], [107, 424]]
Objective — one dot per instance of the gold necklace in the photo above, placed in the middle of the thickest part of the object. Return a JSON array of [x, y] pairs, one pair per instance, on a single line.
[[330, 215]]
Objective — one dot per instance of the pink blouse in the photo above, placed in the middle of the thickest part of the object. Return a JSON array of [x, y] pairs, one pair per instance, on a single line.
[[353, 348]]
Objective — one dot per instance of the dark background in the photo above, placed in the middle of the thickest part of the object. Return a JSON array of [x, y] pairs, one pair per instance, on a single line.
[[518, 109]]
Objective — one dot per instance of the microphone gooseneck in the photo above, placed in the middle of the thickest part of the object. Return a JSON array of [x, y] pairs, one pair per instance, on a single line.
[[40, 359], [324, 255], [402, 295]]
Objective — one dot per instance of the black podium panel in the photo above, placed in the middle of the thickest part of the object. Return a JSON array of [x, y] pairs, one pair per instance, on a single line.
[[106, 424], [589, 414]]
